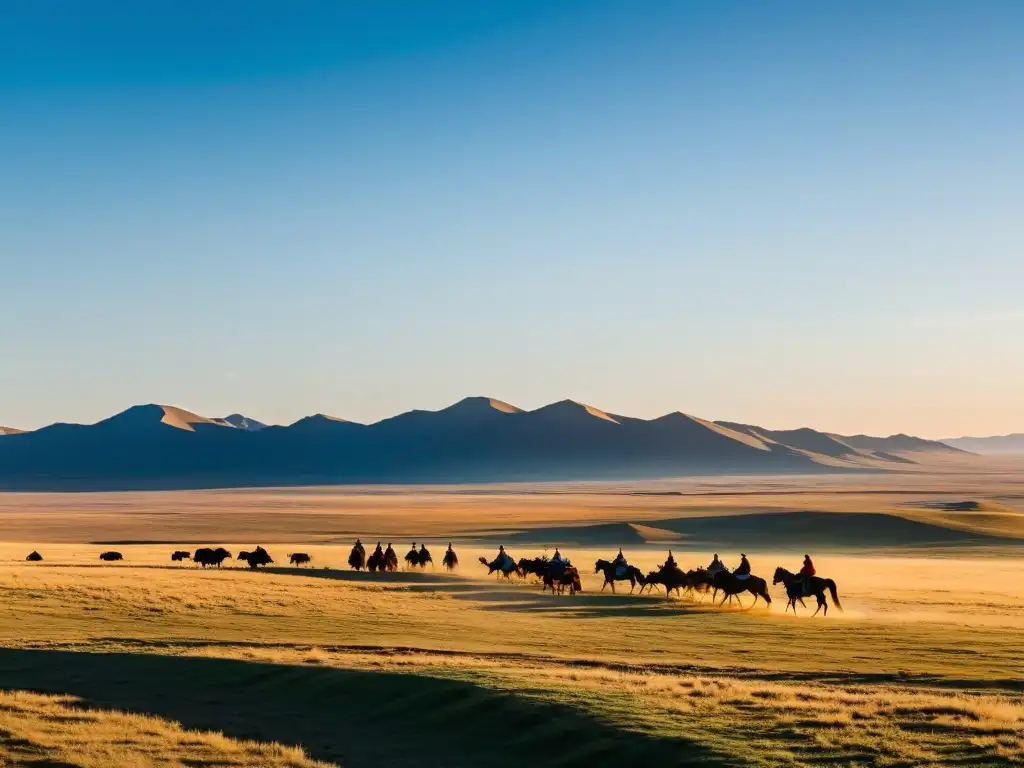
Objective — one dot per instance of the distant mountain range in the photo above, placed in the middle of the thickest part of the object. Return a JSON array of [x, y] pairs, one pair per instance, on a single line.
[[478, 439], [996, 445]]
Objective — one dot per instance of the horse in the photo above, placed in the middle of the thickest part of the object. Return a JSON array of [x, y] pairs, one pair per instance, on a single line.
[[424, 557], [357, 558], [632, 574], [733, 586], [375, 562], [390, 559], [797, 587], [299, 558], [412, 557], [568, 577], [450, 560], [504, 566]]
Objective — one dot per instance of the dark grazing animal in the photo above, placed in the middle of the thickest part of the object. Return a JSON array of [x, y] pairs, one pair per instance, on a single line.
[[206, 556], [299, 558], [180, 555], [256, 558], [34, 557], [111, 556]]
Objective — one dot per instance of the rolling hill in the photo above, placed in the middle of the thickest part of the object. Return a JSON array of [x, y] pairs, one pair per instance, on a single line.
[[478, 439]]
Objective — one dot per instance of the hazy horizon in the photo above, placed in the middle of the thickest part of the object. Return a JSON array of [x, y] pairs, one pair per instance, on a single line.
[[788, 215]]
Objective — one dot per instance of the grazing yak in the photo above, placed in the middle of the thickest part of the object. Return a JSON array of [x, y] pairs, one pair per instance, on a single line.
[[180, 555], [299, 558], [206, 556], [34, 557], [256, 558], [111, 556]]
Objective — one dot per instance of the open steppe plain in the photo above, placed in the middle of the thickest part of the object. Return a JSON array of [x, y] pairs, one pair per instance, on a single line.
[[149, 663]]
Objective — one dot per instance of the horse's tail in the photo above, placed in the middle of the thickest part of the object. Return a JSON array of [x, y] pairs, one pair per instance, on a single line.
[[835, 595]]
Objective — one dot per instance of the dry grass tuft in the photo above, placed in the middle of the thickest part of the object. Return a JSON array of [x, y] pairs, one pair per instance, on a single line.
[[56, 730]]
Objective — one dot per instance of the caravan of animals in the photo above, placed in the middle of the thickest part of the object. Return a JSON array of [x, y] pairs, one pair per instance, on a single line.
[[557, 573]]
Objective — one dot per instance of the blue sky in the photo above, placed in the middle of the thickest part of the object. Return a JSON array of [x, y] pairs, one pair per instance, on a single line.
[[789, 213]]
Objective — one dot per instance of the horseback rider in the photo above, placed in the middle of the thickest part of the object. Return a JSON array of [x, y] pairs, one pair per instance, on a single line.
[[559, 563], [378, 551], [620, 562], [806, 572], [670, 563], [716, 567], [450, 551], [423, 551], [743, 571]]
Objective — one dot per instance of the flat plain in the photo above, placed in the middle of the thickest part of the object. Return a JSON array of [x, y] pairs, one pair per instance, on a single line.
[[153, 663]]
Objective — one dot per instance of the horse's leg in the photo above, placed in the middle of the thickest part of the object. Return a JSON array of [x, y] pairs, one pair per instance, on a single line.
[[632, 584], [612, 582], [605, 585]]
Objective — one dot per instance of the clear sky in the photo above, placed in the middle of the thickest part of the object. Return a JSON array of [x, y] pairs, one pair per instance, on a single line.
[[787, 213]]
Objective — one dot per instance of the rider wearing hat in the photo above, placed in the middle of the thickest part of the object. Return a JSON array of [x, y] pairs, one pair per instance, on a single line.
[[744, 567], [620, 561]]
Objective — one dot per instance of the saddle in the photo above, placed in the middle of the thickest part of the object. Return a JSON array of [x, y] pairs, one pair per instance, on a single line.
[[741, 576], [621, 570]]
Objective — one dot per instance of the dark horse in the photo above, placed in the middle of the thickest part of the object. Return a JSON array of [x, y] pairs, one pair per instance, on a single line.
[[733, 586], [375, 562], [632, 574], [412, 557], [424, 557], [357, 557], [568, 576], [450, 560], [670, 578], [796, 589], [390, 559]]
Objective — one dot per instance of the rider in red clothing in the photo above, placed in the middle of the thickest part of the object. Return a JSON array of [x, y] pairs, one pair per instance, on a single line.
[[808, 570]]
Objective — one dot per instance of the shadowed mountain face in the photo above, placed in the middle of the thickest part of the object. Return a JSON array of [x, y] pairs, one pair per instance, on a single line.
[[478, 439]]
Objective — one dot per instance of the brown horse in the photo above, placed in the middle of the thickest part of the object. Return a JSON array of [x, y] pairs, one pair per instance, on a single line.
[[732, 586], [797, 589], [632, 574]]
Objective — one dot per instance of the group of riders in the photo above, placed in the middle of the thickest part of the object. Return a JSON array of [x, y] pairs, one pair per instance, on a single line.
[[387, 559], [558, 572]]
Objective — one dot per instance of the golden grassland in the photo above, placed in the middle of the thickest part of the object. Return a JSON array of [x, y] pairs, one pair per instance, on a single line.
[[146, 662]]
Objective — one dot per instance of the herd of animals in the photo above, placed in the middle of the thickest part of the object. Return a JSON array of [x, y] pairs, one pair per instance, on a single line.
[[556, 573]]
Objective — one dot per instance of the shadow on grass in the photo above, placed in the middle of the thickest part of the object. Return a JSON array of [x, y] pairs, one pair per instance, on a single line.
[[357, 718]]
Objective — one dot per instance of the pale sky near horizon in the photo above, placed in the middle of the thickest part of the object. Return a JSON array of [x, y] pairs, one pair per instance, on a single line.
[[790, 213]]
